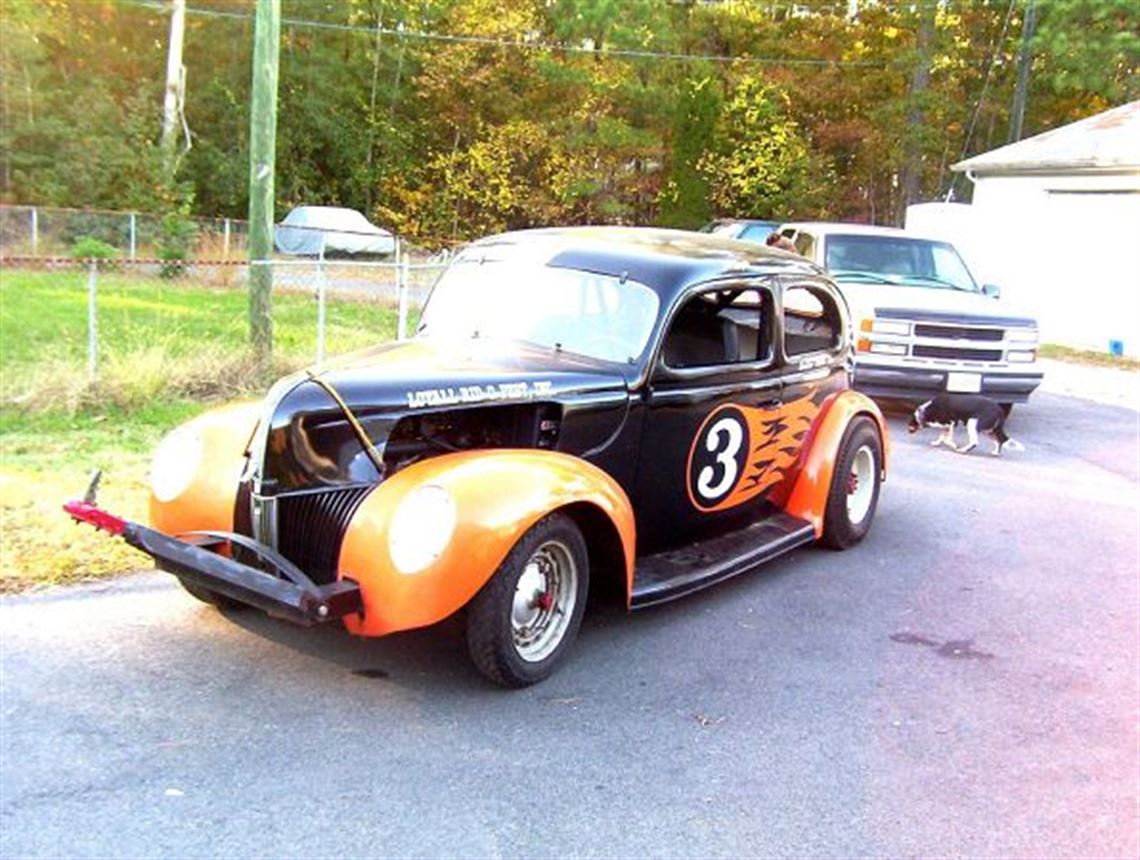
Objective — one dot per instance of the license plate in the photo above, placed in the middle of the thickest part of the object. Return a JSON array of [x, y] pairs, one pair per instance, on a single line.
[[965, 382]]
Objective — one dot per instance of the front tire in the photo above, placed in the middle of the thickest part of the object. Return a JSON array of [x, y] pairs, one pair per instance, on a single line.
[[854, 492], [221, 601], [520, 625]]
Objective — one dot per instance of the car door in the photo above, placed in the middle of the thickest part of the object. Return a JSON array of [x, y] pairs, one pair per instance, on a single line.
[[713, 404]]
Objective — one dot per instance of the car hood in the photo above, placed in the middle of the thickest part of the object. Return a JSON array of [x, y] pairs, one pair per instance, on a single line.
[[864, 299], [424, 373]]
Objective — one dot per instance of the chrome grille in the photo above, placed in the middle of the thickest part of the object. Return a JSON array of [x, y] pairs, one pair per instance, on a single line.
[[953, 332], [311, 526], [956, 353]]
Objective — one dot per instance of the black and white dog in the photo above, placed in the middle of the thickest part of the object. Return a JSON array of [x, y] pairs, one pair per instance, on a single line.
[[973, 411]]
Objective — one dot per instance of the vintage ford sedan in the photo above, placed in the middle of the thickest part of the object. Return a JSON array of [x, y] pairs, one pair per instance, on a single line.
[[648, 410]]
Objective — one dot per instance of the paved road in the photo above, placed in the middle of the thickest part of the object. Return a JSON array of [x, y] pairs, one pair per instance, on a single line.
[[963, 683]]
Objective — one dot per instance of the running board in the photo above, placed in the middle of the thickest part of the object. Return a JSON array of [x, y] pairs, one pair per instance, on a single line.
[[677, 572]]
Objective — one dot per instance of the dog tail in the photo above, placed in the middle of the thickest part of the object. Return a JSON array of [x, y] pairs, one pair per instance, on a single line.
[[1012, 444]]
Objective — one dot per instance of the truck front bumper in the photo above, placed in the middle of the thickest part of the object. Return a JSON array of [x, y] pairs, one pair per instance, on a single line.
[[901, 382], [278, 587]]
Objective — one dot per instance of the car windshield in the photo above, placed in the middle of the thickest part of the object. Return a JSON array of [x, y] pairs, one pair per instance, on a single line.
[[898, 260], [566, 309]]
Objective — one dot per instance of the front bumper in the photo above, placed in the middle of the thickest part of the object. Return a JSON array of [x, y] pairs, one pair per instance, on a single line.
[[282, 590], [901, 382]]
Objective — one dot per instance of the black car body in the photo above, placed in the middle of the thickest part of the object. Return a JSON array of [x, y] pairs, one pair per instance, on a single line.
[[657, 408]]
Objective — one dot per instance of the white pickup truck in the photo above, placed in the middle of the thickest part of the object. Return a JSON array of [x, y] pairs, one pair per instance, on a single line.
[[922, 324]]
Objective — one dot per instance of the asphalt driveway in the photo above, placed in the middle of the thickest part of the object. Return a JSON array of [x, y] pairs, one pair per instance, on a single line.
[[964, 682]]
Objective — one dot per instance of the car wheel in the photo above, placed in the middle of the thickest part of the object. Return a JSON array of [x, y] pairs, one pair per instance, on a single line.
[[520, 625], [854, 491], [212, 597]]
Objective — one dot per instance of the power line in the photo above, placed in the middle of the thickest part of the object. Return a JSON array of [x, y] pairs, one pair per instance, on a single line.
[[521, 44]]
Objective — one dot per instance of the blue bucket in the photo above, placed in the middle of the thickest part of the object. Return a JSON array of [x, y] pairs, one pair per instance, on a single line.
[[1116, 347]]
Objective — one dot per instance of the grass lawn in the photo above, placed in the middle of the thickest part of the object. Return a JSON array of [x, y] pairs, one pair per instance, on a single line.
[[167, 351]]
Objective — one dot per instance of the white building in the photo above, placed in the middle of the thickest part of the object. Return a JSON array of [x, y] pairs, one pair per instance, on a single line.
[[1055, 222]]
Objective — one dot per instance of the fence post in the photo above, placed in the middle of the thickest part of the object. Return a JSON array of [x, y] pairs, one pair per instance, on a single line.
[[35, 232], [403, 274], [226, 240], [133, 235], [321, 289], [92, 339]]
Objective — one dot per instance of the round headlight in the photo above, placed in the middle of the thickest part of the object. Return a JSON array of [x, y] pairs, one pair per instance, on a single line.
[[421, 528], [175, 463]]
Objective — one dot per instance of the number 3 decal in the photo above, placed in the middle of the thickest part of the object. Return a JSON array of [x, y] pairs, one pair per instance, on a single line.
[[717, 457]]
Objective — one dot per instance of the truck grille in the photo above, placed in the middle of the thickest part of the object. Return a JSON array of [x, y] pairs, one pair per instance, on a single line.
[[955, 353], [311, 526], [949, 332]]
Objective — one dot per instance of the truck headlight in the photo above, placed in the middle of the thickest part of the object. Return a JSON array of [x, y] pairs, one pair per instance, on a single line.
[[1024, 356], [888, 348], [175, 463], [1023, 335], [421, 528], [878, 326]]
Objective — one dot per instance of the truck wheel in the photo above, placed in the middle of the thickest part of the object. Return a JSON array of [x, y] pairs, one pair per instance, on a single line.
[[521, 623], [212, 597], [855, 483]]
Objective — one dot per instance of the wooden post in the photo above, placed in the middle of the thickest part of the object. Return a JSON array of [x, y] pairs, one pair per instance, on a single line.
[[92, 334], [262, 156]]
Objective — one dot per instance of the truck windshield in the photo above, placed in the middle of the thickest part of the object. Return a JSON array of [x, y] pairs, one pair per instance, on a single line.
[[897, 260], [567, 309]]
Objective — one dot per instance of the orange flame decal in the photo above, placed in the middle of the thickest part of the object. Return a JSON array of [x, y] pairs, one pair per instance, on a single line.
[[775, 438]]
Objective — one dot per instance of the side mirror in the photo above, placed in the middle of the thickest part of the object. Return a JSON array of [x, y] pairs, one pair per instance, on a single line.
[[991, 290]]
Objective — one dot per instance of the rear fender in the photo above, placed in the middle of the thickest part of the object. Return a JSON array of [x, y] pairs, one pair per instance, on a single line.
[[498, 495], [808, 499]]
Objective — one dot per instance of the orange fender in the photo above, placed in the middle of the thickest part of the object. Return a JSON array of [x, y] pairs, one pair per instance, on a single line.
[[498, 495], [808, 499], [208, 502]]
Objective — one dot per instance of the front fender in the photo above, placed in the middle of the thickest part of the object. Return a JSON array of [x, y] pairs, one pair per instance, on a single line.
[[808, 499], [207, 503], [498, 495]]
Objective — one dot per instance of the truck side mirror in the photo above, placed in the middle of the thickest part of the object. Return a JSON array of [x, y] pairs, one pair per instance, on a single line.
[[991, 290]]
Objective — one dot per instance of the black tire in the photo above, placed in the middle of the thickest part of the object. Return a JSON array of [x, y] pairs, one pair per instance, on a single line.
[[849, 512], [212, 597], [514, 640]]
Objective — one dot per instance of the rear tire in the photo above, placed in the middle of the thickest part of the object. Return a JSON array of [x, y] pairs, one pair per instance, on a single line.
[[854, 492], [522, 622]]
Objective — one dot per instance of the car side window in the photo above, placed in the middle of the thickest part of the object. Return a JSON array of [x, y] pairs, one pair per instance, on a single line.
[[811, 320], [720, 327]]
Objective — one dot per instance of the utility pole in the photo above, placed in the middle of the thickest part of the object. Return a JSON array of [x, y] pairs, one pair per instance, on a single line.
[[262, 158], [911, 179], [1024, 60], [174, 98]]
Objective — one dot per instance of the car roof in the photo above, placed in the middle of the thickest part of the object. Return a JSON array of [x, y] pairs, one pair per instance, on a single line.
[[667, 261]]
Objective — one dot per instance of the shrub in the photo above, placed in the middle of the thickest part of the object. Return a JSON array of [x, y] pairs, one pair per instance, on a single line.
[[90, 248]]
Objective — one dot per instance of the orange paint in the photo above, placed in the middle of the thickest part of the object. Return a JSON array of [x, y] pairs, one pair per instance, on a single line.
[[809, 496], [208, 503], [498, 496]]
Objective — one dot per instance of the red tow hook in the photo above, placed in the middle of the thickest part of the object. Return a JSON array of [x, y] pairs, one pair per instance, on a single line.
[[544, 601], [85, 512]]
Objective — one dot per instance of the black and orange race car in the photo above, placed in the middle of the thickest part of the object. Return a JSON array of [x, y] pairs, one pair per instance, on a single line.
[[656, 410]]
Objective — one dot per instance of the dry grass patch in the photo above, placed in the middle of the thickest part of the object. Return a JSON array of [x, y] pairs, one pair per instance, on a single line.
[[42, 546]]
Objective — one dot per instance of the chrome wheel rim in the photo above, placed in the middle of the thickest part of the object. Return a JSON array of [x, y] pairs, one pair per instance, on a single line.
[[861, 485], [544, 601]]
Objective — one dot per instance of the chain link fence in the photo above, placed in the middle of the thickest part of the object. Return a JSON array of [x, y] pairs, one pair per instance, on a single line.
[[99, 311], [40, 231]]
